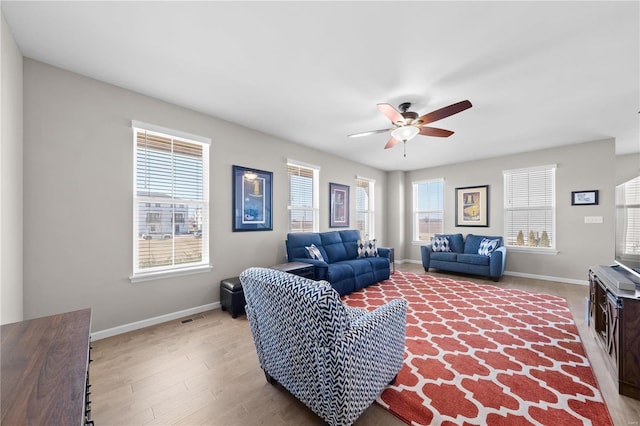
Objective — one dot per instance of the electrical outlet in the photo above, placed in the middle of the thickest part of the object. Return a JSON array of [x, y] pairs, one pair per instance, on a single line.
[[593, 219]]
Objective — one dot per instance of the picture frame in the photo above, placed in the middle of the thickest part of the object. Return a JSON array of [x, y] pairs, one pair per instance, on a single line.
[[472, 206], [252, 199], [339, 205], [584, 198]]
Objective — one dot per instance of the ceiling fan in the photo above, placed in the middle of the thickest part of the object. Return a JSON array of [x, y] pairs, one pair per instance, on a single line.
[[407, 124]]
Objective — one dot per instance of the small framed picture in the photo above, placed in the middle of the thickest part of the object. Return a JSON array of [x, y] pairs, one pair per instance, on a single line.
[[584, 198], [339, 212], [472, 206]]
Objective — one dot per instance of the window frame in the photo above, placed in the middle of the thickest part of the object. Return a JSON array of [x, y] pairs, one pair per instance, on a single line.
[[415, 231], [315, 196], [202, 205], [552, 249], [369, 211]]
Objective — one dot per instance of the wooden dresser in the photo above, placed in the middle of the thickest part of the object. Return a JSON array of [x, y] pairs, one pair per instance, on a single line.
[[45, 370], [614, 318]]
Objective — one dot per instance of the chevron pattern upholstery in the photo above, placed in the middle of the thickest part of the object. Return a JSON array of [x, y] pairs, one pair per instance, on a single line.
[[334, 358]]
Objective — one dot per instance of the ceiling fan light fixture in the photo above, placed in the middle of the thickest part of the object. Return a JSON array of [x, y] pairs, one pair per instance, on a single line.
[[405, 133]]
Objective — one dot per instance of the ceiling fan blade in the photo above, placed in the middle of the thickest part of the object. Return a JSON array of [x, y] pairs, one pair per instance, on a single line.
[[434, 131], [391, 113], [445, 112], [392, 142], [371, 132]]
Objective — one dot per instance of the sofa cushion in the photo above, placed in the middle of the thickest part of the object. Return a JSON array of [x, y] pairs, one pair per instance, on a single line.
[[333, 246], [472, 242], [314, 253], [446, 256], [456, 242], [440, 244], [367, 248], [487, 246], [360, 266], [350, 239], [473, 259], [297, 241]]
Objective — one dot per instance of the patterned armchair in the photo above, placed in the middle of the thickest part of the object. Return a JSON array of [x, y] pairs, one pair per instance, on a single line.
[[334, 358]]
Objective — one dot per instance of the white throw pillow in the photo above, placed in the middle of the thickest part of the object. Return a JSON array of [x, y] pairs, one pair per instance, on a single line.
[[440, 244], [488, 246], [314, 252], [367, 248]]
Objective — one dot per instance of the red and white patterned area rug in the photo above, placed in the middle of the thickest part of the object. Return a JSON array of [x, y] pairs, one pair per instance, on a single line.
[[477, 354]]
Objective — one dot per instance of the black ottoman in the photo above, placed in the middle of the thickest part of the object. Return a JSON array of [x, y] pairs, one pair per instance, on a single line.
[[232, 296]]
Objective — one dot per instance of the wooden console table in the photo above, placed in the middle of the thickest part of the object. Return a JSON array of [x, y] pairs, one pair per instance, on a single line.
[[614, 317], [45, 370]]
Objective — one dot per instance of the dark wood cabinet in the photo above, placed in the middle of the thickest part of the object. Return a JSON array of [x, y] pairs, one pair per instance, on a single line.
[[614, 317], [45, 370]]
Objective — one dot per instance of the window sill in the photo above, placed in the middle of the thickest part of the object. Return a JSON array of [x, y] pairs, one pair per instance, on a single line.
[[158, 275], [533, 250], [420, 243]]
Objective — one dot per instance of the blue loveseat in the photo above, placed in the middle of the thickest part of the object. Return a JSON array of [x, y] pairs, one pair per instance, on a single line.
[[463, 256], [340, 264]]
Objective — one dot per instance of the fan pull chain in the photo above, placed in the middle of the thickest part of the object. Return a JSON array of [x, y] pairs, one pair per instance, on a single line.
[[404, 148]]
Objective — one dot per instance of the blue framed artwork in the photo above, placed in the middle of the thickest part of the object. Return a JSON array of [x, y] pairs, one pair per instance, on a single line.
[[252, 195]]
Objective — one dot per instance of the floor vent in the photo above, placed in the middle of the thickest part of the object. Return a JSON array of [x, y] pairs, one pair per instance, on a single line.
[[184, 321]]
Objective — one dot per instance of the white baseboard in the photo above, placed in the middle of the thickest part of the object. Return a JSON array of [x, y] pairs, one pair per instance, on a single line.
[[152, 321], [547, 278], [519, 274]]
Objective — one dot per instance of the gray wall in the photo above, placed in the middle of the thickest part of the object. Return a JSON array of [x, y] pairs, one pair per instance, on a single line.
[[627, 167], [582, 166], [78, 199], [11, 309], [396, 214]]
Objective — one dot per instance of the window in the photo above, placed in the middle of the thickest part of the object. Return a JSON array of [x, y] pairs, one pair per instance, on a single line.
[[529, 208], [171, 202], [303, 197], [428, 209], [628, 222], [365, 218]]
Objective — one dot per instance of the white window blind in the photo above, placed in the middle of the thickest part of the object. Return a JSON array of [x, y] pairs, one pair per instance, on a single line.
[[303, 198], [628, 218], [529, 207], [428, 209], [365, 217], [171, 202]]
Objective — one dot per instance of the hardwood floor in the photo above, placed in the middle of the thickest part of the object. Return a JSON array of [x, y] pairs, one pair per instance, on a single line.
[[206, 372]]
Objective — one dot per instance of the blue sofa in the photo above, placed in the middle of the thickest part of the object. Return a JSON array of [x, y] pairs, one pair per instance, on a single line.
[[463, 256], [340, 265]]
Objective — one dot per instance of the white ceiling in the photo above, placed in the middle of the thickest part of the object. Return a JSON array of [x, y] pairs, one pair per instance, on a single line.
[[539, 74]]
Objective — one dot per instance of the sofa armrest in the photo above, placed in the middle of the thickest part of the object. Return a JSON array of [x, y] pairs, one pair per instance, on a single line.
[[497, 262], [426, 251], [384, 252], [376, 337], [371, 347]]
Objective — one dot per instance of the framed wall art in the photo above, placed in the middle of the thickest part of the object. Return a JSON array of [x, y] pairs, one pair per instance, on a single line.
[[472, 206], [339, 202], [584, 198], [252, 199]]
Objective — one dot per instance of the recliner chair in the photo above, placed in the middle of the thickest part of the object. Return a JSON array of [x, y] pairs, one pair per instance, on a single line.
[[334, 358]]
